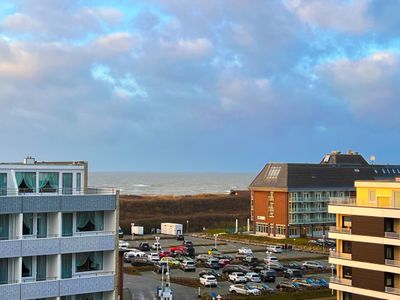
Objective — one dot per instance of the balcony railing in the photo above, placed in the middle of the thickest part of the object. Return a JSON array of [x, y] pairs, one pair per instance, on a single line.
[[391, 290], [340, 230], [391, 262], [345, 201], [339, 280], [392, 235], [57, 191], [341, 255]]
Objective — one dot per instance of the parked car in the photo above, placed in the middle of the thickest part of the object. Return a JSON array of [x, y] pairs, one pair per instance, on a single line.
[[321, 281], [237, 277], [214, 251], [294, 265], [188, 265], [172, 262], [270, 259], [208, 280], [287, 284], [154, 257], [203, 257], [141, 261], [188, 243], [212, 263], [156, 246], [160, 267], [304, 282], [313, 265], [165, 253], [245, 250], [143, 246], [132, 254], [267, 275], [250, 261], [253, 277], [180, 237], [123, 244], [274, 249], [223, 262], [262, 287], [229, 269], [242, 289], [275, 266], [292, 273], [210, 272]]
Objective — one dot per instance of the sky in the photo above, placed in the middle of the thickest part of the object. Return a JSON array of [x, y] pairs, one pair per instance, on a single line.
[[200, 85]]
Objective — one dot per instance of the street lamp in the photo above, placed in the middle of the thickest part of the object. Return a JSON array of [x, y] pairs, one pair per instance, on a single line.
[[332, 267], [268, 259], [187, 226], [215, 240], [157, 243]]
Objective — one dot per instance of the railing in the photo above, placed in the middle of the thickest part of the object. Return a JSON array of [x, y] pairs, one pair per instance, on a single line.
[[345, 201], [339, 280], [8, 282], [310, 221], [391, 290], [56, 235], [392, 235], [309, 210], [57, 191], [309, 199], [91, 274], [391, 262], [30, 280], [341, 255], [340, 229]]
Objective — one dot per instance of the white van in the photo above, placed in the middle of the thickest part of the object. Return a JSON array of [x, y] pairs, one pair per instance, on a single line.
[[274, 249]]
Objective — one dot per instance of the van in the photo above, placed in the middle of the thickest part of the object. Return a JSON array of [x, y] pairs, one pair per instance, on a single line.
[[274, 249]]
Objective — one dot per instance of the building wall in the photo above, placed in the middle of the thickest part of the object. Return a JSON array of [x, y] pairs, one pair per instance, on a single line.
[[364, 252], [370, 226], [370, 280]]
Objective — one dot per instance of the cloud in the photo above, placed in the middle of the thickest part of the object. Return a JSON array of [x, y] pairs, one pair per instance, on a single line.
[[117, 42], [345, 16], [187, 48]]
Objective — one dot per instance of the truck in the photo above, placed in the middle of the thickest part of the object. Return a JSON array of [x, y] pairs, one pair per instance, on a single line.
[[171, 229]]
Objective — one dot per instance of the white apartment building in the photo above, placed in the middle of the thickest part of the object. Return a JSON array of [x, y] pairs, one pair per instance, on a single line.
[[57, 235]]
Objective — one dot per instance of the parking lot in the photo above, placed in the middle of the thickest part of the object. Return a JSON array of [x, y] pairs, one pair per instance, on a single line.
[[145, 285]]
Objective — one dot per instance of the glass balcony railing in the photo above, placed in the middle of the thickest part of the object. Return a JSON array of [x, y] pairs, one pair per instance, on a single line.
[[345, 201], [392, 235], [59, 191], [392, 290], [340, 280], [340, 230], [393, 263], [341, 255]]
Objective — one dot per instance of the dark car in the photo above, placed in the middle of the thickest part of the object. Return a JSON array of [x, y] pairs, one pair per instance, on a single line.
[[250, 261], [188, 243], [190, 251], [180, 237], [212, 263], [294, 265], [210, 272], [234, 268], [144, 246], [267, 275], [141, 261], [292, 273]]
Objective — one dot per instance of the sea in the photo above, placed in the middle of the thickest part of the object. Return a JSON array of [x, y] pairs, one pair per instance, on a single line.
[[135, 183]]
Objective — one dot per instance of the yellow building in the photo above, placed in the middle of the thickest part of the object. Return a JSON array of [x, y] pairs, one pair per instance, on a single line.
[[367, 236]]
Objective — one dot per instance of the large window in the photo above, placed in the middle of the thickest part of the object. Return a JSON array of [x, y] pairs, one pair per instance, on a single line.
[[67, 224], [3, 184], [27, 266], [48, 182], [346, 247], [389, 252], [90, 221], [389, 226], [26, 182], [4, 227], [35, 224], [66, 266], [67, 183], [389, 279], [27, 226], [3, 270], [89, 261]]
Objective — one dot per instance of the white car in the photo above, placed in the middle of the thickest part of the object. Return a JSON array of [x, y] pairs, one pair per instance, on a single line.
[[245, 250], [156, 246], [154, 257], [123, 244], [253, 277], [208, 280], [132, 254], [244, 290], [237, 277], [313, 265], [274, 249], [271, 259]]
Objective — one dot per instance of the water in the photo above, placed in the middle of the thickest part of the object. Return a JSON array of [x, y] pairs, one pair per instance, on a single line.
[[171, 183]]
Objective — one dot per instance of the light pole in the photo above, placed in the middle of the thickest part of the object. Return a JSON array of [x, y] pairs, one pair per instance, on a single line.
[[215, 240], [157, 243], [268, 259], [332, 267], [323, 243], [187, 226]]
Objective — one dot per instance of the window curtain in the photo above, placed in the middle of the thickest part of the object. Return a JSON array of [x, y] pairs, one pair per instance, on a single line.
[[99, 220], [93, 296], [67, 183], [26, 181], [66, 266], [27, 266], [27, 228], [89, 261], [48, 182], [3, 270], [4, 227], [42, 225], [67, 224], [90, 221], [40, 268], [78, 182], [3, 184]]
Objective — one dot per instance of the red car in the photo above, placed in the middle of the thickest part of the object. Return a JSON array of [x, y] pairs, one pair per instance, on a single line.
[[223, 262], [178, 250], [165, 254]]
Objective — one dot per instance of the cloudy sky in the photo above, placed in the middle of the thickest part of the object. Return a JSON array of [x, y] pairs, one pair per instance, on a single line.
[[200, 85]]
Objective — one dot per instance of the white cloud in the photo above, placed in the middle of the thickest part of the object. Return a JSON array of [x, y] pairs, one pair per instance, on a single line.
[[345, 16], [188, 48], [17, 61], [117, 42], [21, 23]]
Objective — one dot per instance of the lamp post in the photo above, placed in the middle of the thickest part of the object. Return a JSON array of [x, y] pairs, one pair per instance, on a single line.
[[187, 226], [332, 267], [215, 240], [323, 243], [268, 259], [157, 243]]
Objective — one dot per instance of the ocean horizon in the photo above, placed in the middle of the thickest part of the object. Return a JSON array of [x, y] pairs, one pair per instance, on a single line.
[[174, 183]]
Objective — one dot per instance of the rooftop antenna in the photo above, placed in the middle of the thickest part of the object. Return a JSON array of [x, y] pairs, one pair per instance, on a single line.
[[372, 159]]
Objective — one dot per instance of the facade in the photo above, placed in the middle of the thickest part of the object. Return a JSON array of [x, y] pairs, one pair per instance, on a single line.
[[57, 235], [291, 199], [367, 234]]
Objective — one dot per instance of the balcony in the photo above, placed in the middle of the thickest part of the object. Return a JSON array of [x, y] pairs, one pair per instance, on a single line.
[[40, 289], [391, 290], [312, 221], [96, 241], [393, 263], [345, 201], [341, 255], [10, 290], [87, 283], [342, 281], [59, 191], [392, 235], [340, 230]]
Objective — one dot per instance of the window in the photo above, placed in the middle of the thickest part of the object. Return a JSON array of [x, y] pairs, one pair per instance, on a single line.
[[347, 272], [66, 266], [90, 221], [35, 224], [67, 224], [88, 261], [67, 183], [41, 268], [271, 204], [389, 225], [346, 221], [48, 182], [78, 182], [27, 266], [346, 247], [347, 296], [280, 229], [261, 227], [389, 252], [3, 270], [27, 226], [3, 184], [273, 172], [4, 227], [389, 279], [26, 182]]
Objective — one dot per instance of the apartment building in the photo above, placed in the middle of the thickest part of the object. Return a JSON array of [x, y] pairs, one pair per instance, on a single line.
[[291, 199], [57, 235], [367, 232]]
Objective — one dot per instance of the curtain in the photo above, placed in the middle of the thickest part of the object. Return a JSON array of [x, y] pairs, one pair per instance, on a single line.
[[67, 183], [42, 225], [67, 224], [89, 261], [78, 182], [48, 182], [99, 220], [27, 224], [27, 266], [40, 268], [66, 266], [26, 181], [3, 270], [90, 221], [3, 184], [4, 227], [97, 261]]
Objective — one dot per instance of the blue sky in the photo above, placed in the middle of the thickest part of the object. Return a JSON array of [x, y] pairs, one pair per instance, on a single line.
[[198, 85]]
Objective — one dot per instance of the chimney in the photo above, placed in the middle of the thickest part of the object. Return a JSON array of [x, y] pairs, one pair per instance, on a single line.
[[29, 160]]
